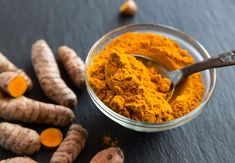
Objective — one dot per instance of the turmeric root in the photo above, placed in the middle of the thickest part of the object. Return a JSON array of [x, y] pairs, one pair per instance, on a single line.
[[27, 110], [6, 65], [72, 145], [48, 74], [18, 160], [13, 83], [19, 139], [129, 8], [73, 64], [110, 155], [51, 137]]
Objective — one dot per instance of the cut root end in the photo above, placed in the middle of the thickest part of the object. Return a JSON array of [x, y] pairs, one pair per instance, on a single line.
[[51, 137], [17, 86]]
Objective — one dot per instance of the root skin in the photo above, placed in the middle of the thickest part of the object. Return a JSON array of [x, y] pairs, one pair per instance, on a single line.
[[13, 83], [18, 139], [48, 74], [18, 160], [71, 146], [26, 110], [109, 155], [7, 65], [73, 64]]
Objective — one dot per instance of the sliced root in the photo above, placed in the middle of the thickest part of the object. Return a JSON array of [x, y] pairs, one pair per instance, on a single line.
[[51, 137], [13, 83], [7, 65]]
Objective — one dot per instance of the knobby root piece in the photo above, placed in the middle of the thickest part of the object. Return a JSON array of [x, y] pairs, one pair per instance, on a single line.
[[13, 83], [48, 74], [19, 139], [18, 160], [6, 65], [129, 8], [73, 64], [72, 145], [27, 110], [51, 137], [109, 155]]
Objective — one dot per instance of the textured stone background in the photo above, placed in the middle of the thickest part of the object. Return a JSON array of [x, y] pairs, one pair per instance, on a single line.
[[79, 23]]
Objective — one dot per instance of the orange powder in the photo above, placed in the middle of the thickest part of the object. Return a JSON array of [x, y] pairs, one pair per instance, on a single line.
[[137, 91]]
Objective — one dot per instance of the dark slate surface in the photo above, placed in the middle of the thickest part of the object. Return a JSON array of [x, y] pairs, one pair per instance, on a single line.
[[79, 23]]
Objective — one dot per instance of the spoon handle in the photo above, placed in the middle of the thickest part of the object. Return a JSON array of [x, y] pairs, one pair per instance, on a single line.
[[222, 60]]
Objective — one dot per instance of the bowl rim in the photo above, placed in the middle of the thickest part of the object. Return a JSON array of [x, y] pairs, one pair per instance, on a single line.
[[136, 123]]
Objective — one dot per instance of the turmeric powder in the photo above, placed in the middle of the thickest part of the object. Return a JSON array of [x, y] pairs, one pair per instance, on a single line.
[[109, 141], [139, 91]]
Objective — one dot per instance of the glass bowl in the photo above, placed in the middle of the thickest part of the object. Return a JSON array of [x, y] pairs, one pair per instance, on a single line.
[[187, 42]]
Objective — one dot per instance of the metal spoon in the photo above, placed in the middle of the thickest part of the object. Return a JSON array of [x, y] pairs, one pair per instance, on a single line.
[[176, 76]]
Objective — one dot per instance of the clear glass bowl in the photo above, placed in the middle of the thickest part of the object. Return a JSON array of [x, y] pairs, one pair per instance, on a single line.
[[187, 42]]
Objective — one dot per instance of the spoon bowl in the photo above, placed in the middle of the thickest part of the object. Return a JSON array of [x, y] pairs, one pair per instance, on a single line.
[[163, 71], [176, 76]]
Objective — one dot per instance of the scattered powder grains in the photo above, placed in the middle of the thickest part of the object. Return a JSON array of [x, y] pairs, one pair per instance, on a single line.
[[137, 91], [109, 141]]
